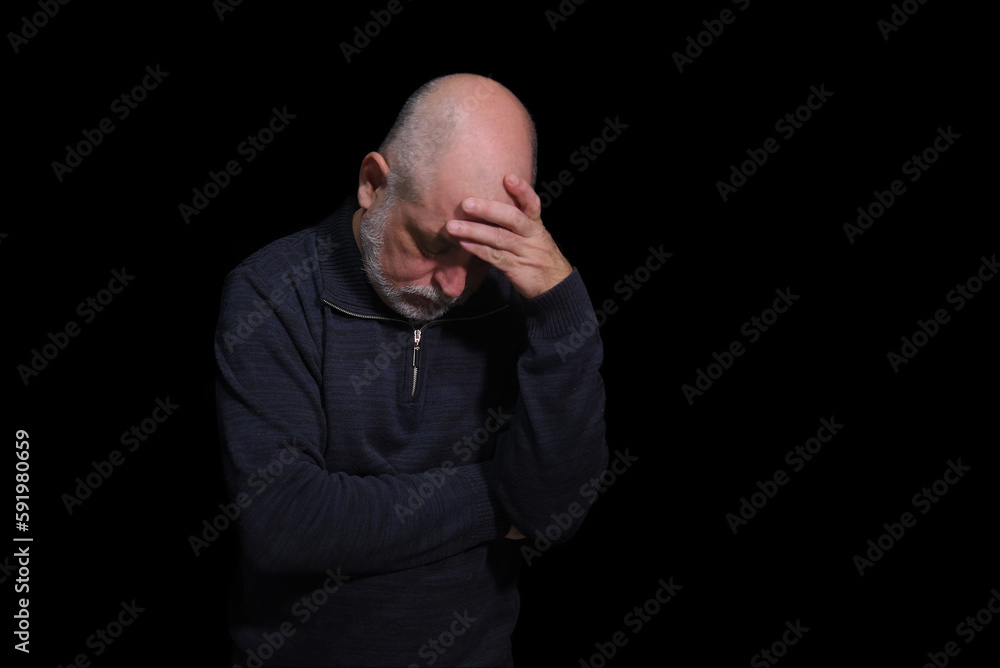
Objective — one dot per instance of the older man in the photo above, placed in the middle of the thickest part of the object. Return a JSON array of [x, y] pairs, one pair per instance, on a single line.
[[405, 392]]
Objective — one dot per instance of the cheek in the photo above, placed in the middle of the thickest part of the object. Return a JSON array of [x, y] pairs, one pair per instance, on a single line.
[[402, 267]]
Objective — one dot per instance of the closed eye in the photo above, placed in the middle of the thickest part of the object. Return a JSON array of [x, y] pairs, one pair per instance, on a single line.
[[426, 252]]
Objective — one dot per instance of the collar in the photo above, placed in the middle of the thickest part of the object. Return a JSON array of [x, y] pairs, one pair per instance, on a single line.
[[346, 286]]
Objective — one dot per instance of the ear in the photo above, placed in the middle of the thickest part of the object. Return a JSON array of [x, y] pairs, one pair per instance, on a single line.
[[374, 175]]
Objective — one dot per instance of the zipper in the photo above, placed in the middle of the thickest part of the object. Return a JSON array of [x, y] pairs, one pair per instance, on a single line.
[[416, 354], [361, 315], [417, 332]]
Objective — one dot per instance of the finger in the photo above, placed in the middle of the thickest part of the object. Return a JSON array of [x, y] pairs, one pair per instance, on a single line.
[[498, 213], [480, 234], [494, 256], [525, 196]]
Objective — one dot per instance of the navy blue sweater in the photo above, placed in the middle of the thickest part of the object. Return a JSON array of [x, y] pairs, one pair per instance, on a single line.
[[376, 482]]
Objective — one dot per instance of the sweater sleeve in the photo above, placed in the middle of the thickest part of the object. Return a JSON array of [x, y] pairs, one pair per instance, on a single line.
[[556, 443], [298, 517]]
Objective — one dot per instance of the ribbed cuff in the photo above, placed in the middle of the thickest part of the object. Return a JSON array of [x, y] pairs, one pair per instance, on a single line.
[[561, 311]]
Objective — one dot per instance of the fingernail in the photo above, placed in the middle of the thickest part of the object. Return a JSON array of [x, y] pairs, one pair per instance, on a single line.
[[468, 204], [513, 179]]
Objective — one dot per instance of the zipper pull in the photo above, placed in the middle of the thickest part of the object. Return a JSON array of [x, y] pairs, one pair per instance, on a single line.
[[416, 357]]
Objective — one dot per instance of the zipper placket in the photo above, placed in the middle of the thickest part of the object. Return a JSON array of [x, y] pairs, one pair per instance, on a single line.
[[417, 332], [418, 335]]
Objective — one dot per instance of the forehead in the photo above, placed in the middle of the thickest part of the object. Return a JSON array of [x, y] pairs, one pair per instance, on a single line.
[[474, 164], [441, 200]]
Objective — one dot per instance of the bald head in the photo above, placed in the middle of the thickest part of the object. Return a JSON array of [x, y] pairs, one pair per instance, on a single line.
[[461, 127], [456, 137]]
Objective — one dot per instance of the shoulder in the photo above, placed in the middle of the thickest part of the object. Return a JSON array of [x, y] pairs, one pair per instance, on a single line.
[[296, 262], [285, 257]]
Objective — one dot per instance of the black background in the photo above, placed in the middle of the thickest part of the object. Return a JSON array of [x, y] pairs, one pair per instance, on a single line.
[[654, 186]]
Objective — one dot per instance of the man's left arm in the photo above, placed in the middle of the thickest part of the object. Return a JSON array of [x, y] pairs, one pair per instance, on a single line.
[[546, 461]]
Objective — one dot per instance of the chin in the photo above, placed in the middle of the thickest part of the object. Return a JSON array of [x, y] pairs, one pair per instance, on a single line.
[[423, 312], [422, 302]]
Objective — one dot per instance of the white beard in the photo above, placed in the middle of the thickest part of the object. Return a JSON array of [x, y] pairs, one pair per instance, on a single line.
[[372, 230]]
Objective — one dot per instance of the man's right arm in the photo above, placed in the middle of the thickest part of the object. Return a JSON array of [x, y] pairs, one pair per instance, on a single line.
[[299, 517]]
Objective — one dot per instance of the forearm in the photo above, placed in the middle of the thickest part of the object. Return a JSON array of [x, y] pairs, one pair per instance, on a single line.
[[305, 519], [556, 440]]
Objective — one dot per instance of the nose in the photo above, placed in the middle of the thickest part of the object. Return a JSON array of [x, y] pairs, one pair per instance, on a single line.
[[451, 279]]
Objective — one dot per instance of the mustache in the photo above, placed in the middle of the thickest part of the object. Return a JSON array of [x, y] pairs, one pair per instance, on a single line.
[[430, 292]]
